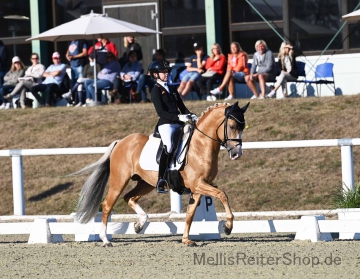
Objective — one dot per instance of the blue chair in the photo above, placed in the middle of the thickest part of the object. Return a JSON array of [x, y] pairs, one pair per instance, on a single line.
[[323, 75]]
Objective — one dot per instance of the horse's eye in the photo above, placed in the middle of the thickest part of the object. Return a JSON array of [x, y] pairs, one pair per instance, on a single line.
[[232, 127]]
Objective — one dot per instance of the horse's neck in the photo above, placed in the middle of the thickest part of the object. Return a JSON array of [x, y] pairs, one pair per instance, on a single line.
[[208, 125]]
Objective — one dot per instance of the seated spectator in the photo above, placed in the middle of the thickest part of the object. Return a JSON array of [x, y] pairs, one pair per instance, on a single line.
[[262, 70], [130, 43], [195, 69], [146, 80], [215, 69], [54, 76], [76, 95], [105, 78], [128, 76], [237, 69], [10, 80], [33, 76], [102, 47], [287, 64]]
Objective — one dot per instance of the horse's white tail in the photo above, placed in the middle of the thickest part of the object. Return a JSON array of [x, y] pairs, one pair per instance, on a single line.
[[93, 189]]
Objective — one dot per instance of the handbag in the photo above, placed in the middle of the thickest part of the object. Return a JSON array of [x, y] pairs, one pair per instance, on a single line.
[[208, 73]]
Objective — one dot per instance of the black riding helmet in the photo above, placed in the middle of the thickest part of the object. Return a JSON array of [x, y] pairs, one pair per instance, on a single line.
[[157, 66]]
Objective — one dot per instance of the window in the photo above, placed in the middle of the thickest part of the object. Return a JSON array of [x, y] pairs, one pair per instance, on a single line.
[[241, 11], [180, 46], [247, 40], [180, 13], [354, 35], [313, 23], [183, 23], [354, 29]]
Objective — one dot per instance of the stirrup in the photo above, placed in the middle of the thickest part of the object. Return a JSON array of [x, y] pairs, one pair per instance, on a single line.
[[160, 186]]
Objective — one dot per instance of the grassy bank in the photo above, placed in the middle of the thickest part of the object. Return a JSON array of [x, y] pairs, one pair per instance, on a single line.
[[274, 179]]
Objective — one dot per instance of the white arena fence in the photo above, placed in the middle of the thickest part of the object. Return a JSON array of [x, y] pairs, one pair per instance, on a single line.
[[313, 227], [16, 155]]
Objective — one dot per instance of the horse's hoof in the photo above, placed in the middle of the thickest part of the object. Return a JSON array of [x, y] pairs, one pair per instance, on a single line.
[[137, 228], [107, 244], [189, 243], [227, 231]]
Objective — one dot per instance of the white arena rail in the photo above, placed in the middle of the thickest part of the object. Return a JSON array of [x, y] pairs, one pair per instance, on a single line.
[[346, 146], [313, 228]]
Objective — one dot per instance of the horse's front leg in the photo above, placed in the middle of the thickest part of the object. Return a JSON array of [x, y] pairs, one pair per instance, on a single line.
[[193, 203], [207, 190]]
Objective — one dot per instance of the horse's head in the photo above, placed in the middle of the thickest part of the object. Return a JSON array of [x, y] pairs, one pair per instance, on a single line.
[[234, 124]]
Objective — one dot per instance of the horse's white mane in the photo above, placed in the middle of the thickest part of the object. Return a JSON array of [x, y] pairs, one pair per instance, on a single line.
[[212, 107]]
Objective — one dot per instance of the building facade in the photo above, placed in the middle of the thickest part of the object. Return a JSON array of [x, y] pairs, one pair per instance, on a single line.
[[314, 26]]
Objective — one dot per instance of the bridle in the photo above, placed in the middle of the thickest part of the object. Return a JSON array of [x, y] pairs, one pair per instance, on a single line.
[[223, 142]]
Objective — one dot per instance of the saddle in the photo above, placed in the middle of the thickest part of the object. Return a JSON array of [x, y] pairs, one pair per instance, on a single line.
[[175, 141], [150, 155]]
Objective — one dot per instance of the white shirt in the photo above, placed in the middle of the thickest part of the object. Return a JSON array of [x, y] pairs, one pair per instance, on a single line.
[[163, 84]]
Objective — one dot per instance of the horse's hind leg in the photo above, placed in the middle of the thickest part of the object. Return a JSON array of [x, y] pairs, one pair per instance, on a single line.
[[117, 185], [193, 203], [141, 189]]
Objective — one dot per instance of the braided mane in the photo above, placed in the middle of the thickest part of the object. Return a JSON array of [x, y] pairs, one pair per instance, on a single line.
[[216, 105]]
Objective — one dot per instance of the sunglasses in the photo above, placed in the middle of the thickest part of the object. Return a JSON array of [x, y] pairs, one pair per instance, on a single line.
[[34, 58], [16, 62], [56, 58]]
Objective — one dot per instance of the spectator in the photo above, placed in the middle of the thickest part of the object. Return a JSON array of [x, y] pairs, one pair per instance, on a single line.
[[287, 64], [215, 69], [105, 77], [76, 55], [128, 76], [76, 95], [146, 80], [3, 62], [11, 79], [33, 76], [262, 70], [130, 43], [102, 47], [237, 69], [195, 69], [54, 76]]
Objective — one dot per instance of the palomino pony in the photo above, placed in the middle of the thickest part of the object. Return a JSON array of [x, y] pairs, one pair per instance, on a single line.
[[219, 125]]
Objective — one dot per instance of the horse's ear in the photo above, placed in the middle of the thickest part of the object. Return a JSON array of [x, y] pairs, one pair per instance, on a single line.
[[230, 108], [244, 108]]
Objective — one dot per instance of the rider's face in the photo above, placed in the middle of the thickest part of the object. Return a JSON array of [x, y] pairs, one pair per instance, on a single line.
[[163, 75]]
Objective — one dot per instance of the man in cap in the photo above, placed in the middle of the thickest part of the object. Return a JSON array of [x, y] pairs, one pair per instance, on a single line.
[[54, 76], [195, 69]]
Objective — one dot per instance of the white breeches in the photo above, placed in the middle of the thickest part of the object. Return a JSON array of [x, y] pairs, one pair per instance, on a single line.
[[282, 79], [166, 131]]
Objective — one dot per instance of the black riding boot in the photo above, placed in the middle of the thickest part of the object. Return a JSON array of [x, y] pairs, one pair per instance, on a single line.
[[163, 165]]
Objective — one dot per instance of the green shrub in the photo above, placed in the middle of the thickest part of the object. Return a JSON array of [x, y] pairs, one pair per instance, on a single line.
[[346, 199]]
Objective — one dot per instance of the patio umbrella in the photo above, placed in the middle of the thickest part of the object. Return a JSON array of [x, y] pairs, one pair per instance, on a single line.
[[93, 26], [352, 16]]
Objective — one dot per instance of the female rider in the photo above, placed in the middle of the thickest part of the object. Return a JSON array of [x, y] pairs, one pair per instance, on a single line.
[[172, 112]]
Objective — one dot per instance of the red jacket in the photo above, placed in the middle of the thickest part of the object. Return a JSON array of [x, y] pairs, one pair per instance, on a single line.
[[110, 46], [238, 63], [216, 66]]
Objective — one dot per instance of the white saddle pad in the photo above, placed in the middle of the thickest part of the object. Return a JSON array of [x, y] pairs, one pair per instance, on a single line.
[[148, 154]]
